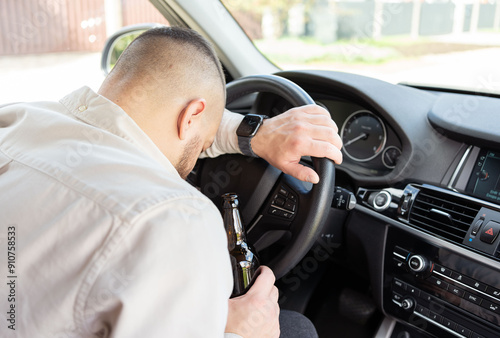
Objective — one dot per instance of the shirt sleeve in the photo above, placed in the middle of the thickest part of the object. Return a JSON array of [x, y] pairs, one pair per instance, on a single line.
[[169, 277], [226, 140]]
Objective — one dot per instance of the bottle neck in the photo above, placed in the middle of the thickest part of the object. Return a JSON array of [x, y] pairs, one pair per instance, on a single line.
[[232, 221], [237, 225], [234, 227]]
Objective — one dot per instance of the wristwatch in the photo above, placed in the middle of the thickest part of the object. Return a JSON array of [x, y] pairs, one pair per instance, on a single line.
[[247, 130]]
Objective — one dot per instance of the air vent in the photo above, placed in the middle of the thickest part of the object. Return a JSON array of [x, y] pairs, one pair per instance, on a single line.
[[443, 214]]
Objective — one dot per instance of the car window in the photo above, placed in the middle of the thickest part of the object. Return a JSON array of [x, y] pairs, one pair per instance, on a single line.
[[50, 48], [446, 43]]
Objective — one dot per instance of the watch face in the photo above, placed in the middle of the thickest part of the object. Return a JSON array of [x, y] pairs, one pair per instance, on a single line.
[[249, 125]]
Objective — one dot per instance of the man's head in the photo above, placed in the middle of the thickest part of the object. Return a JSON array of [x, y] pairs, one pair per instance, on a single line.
[[170, 81]]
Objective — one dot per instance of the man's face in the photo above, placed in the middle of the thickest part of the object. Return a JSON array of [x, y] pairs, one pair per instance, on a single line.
[[201, 142]]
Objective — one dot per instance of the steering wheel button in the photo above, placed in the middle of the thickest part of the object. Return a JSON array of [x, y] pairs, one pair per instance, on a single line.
[[274, 211], [283, 192], [292, 197], [279, 201], [290, 206]]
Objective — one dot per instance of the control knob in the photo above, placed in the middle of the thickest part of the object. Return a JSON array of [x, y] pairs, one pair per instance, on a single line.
[[418, 263], [407, 304], [381, 200]]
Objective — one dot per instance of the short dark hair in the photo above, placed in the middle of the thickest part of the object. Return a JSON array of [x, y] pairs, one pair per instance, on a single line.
[[189, 36]]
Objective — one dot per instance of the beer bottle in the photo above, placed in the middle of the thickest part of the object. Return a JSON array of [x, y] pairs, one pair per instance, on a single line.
[[244, 261]]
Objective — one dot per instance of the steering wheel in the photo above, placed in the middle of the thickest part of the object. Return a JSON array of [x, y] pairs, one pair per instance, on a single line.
[[276, 208]]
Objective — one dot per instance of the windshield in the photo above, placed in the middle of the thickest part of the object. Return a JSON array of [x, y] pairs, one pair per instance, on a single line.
[[452, 44]]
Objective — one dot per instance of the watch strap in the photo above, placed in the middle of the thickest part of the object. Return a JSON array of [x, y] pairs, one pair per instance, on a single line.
[[245, 144], [245, 136]]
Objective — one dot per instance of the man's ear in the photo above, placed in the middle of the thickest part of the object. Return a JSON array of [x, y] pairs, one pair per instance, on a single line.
[[190, 114]]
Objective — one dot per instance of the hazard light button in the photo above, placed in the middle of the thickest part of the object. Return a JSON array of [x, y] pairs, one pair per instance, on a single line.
[[490, 232]]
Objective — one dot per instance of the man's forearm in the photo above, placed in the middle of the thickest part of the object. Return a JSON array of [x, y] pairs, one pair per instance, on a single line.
[[226, 141]]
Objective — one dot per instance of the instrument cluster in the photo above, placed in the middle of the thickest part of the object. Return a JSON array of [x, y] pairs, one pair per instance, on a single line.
[[370, 147]]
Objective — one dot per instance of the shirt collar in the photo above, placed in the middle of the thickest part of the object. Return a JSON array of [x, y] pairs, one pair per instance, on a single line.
[[104, 114]]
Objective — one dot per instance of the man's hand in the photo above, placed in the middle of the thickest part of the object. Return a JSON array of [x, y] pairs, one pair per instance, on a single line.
[[256, 313], [302, 131]]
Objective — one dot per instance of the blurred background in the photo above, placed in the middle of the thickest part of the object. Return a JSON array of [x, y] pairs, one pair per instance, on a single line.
[[51, 47]]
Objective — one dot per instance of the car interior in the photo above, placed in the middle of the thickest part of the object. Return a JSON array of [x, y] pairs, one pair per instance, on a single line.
[[407, 243], [402, 238]]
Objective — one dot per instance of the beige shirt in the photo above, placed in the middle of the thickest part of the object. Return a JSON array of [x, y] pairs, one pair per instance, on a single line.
[[108, 239]]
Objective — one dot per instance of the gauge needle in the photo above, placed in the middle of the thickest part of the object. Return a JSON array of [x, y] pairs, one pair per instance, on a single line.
[[362, 136]]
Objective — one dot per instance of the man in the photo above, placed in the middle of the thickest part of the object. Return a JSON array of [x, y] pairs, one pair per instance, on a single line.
[[107, 239]]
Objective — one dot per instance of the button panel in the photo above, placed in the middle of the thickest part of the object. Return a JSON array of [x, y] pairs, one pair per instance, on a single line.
[[441, 277], [425, 307], [284, 204], [450, 287], [466, 284], [457, 289]]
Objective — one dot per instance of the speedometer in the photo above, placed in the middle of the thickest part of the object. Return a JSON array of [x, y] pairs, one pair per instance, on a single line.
[[363, 135]]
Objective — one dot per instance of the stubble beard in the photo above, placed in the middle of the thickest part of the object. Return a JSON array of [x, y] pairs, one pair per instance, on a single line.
[[189, 156]]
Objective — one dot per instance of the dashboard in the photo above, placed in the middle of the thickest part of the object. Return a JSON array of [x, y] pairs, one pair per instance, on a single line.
[[424, 167]]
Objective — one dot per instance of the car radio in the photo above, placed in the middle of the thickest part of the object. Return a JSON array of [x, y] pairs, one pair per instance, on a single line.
[[439, 291], [442, 270]]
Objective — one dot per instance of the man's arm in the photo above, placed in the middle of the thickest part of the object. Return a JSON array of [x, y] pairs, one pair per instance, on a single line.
[[226, 141], [170, 276], [302, 131]]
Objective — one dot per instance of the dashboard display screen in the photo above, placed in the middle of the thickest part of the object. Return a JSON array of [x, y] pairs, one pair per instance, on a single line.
[[485, 179]]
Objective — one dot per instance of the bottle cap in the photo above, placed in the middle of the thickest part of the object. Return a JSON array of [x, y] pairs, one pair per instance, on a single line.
[[230, 200]]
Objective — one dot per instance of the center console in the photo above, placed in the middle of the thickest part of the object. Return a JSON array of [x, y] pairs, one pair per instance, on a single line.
[[442, 270], [441, 256]]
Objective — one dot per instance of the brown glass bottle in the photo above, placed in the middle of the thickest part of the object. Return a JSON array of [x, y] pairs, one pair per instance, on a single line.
[[244, 261]]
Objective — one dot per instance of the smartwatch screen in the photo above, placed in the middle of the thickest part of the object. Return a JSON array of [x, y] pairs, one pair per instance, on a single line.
[[248, 125]]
